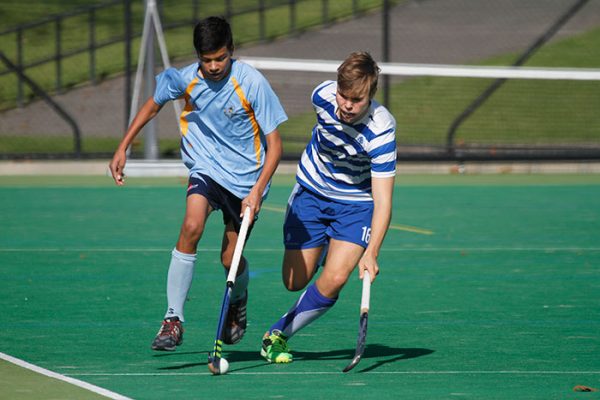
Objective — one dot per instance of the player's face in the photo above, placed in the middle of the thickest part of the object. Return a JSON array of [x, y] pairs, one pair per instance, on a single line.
[[215, 66], [352, 104]]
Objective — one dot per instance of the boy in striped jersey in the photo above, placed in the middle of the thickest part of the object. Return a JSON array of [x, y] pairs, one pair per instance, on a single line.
[[341, 205], [230, 143]]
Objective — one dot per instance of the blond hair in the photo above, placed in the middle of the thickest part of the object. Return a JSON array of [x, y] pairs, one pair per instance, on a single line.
[[358, 73]]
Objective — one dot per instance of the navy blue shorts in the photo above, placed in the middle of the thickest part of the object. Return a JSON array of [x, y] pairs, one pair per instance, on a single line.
[[219, 198], [312, 219]]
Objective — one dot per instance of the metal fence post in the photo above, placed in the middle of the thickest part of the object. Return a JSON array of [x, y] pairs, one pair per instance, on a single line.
[[386, 50], [92, 28], [58, 35], [150, 131], [228, 11], [195, 8], [292, 4], [127, 19], [20, 66], [261, 20]]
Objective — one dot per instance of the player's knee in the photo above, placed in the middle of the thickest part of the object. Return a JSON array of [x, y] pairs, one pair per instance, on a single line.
[[192, 229], [336, 282]]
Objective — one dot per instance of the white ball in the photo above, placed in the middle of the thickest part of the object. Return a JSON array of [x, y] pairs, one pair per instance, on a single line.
[[223, 366]]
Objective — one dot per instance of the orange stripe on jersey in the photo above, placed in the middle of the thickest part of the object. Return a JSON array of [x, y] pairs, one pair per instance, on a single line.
[[183, 123], [250, 112]]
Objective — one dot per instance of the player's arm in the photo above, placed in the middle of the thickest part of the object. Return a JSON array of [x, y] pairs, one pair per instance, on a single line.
[[382, 189], [145, 114], [273, 152]]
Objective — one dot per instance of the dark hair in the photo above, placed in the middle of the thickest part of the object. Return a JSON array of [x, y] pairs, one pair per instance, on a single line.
[[211, 34], [358, 71]]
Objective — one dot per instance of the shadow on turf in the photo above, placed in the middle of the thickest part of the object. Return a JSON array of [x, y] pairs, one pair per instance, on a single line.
[[372, 351], [232, 356], [375, 350]]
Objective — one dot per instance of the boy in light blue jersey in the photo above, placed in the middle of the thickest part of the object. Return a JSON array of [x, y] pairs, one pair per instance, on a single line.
[[231, 146], [341, 205]]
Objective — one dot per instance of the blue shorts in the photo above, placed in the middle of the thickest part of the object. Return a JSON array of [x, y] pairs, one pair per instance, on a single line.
[[312, 219], [219, 198]]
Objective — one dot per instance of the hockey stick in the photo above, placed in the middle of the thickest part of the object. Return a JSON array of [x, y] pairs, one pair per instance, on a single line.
[[214, 357], [362, 326]]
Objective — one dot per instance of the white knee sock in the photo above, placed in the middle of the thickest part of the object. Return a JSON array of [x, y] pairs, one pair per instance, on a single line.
[[179, 280]]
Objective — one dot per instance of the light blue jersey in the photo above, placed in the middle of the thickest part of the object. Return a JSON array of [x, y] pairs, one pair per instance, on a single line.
[[341, 159], [224, 123]]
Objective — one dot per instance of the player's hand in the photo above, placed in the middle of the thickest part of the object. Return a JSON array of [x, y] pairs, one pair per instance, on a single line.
[[368, 262], [253, 201], [117, 166]]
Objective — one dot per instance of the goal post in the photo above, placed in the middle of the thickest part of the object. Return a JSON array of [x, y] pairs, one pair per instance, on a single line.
[[152, 30]]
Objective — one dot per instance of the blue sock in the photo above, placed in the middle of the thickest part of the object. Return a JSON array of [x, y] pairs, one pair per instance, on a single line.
[[310, 306], [179, 281]]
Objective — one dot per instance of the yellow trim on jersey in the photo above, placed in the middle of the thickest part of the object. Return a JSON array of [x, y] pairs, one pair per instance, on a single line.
[[248, 108], [183, 123]]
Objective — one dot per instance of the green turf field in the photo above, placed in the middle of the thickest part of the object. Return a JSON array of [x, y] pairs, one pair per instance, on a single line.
[[489, 289]]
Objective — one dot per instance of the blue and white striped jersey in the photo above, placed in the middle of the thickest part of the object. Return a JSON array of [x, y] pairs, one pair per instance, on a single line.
[[340, 159]]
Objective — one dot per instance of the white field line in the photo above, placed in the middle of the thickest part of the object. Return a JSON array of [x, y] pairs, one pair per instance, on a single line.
[[388, 249], [54, 375], [501, 372]]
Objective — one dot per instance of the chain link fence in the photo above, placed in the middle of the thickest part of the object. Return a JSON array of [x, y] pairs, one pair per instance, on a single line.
[[80, 59]]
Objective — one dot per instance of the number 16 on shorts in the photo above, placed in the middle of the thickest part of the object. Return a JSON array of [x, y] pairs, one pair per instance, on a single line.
[[366, 234]]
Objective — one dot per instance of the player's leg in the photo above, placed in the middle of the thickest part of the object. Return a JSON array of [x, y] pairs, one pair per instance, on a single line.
[[235, 325], [304, 238], [349, 233], [230, 237], [316, 300], [347, 229], [319, 297], [181, 271], [197, 211], [299, 267], [341, 260]]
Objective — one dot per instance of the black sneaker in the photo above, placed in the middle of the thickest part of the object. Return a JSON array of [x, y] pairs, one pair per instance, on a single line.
[[235, 325], [169, 336]]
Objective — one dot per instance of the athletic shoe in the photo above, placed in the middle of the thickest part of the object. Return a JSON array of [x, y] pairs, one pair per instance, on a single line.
[[169, 336], [275, 348], [235, 325]]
